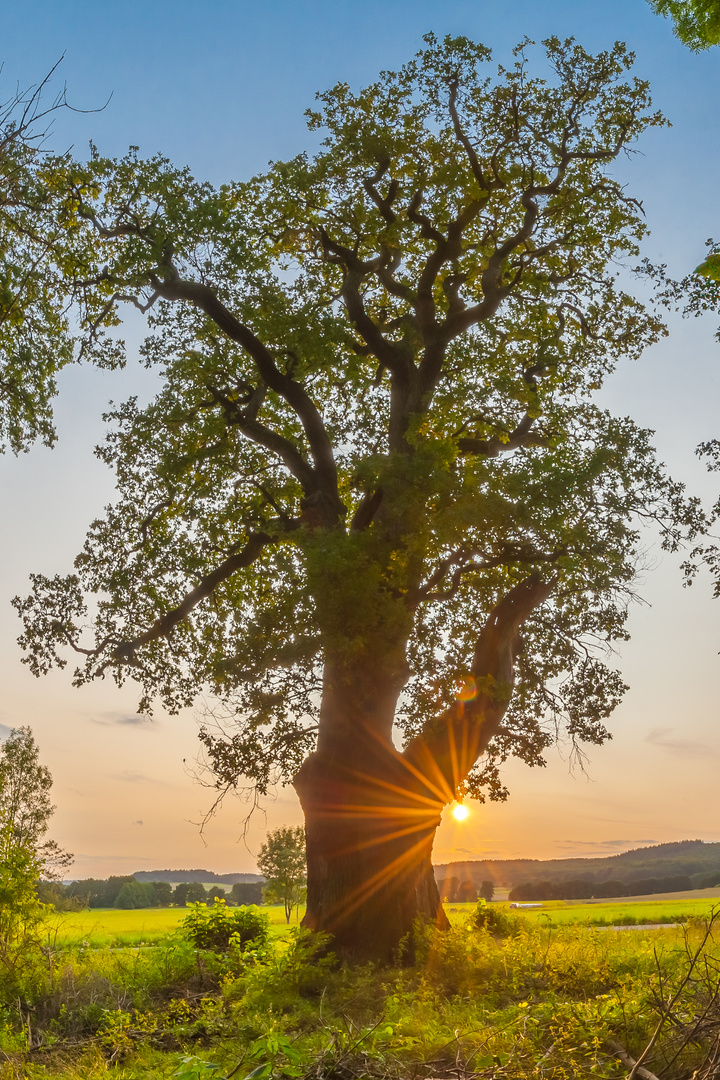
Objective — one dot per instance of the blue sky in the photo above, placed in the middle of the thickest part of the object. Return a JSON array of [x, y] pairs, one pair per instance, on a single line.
[[223, 88]]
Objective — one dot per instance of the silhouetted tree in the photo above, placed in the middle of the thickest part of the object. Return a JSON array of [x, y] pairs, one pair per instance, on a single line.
[[487, 890]]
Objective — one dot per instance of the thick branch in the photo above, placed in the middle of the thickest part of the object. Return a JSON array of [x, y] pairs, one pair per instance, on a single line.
[[522, 436], [271, 440], [449, 745], [363, 516], [125, 652], [462, 138], [393, 356], [384, 205], [292, 392]]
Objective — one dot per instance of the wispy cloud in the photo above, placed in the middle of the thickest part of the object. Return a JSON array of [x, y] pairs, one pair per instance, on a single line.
[[589, 847], [478, 853], [662, 738], [115, 858], [130, 777], [114, 719], [4, 732], [139, 822]]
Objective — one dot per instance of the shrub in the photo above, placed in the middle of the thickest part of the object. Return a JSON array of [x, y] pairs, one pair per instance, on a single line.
[[495, 920], [216, 927]]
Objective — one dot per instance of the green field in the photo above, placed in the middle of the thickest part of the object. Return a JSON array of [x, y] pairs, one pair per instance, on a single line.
[[103, 927], [113, 927], [612, 913]]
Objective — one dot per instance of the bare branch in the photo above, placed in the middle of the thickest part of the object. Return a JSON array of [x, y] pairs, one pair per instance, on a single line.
[[465, 562]]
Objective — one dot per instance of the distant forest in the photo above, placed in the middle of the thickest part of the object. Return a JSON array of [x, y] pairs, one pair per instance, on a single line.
[[129, 893], [693, 860], [584, 889], [174, 876]]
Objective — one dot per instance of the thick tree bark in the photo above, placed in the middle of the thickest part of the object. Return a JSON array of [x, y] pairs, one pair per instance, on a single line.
[[371, 812], [369, 827]]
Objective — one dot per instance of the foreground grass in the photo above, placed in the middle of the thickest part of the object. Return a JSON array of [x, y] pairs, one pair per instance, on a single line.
[[551, 1001]]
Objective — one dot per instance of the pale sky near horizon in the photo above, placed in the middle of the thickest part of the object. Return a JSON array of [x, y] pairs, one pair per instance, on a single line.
[[224, 90]]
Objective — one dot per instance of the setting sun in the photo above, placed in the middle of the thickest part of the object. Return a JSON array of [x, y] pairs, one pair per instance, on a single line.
[[460, 812]]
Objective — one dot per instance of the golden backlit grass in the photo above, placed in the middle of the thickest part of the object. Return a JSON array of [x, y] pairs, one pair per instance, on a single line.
[[535, 1000]]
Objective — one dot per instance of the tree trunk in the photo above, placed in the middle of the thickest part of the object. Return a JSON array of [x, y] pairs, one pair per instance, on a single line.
[[371, 812], [369, 825]]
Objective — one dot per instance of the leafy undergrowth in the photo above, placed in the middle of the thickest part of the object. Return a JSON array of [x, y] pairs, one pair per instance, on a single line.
[[502, 1000]]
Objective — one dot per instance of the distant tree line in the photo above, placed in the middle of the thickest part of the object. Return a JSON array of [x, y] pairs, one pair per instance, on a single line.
[[586, 889], [126, 892], [208, 876], [696, 858], [454, 891]]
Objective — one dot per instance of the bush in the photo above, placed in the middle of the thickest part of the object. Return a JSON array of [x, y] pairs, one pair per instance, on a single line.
[[217, 927], [495, 920]]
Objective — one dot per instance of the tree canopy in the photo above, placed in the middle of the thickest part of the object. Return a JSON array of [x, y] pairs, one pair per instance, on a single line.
[[37, 301], [376, 454], [697, 22], [699, 293], [25, 854], [282, 860], [25, 807]]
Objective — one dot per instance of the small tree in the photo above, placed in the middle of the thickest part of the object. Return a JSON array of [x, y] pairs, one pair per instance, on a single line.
[[247, 892], [486, 891], [282, 861], [450, 889], [163, 893], [136, 894], [25, 854], [467, 893], [25, 807], [189, 892]]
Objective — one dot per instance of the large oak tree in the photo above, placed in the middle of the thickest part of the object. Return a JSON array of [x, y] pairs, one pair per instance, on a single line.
[[374, 508]]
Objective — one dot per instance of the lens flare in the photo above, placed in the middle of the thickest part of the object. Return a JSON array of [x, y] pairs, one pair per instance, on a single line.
[[466, 689], [460, 812]]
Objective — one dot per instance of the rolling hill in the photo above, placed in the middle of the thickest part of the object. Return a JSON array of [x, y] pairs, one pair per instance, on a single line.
[[662, 860]]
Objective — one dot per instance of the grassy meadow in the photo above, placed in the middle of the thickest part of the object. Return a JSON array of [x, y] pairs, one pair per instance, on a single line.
[[115, 928], [622, 912], [509, 995]]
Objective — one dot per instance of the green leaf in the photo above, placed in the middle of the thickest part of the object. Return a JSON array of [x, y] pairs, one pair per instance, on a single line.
[[710, 268]]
